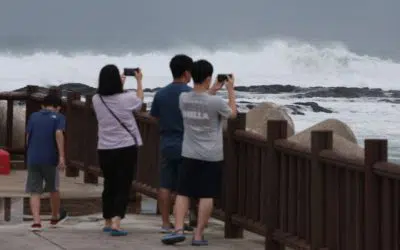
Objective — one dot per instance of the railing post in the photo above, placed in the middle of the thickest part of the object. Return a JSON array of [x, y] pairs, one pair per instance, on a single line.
[[89, 177], [136, 196], [29, 109], [71, 96], [320, 140], [29, 102], [144, 107], [230, 174], [9, 124], [275, 130], [7, 209], [375, 151]]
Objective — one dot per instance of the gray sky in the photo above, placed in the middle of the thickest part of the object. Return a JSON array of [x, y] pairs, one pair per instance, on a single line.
[[118, 26]]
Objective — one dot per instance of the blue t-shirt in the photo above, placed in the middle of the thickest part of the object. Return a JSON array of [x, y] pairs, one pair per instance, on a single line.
[[42, 145], [165, 106]]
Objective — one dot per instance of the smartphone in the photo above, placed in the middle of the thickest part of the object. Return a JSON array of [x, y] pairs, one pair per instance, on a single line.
[[130, 71], [223, 77]]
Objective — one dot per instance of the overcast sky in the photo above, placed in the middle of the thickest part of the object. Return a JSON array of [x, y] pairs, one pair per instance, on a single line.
[[117, 26]]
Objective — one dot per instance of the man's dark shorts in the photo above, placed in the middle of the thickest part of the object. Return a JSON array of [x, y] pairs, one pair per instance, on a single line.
[[37, 174], [200, 179], [170, 173]]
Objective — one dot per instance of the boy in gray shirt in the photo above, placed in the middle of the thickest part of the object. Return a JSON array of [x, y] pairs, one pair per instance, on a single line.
[[202, 148]]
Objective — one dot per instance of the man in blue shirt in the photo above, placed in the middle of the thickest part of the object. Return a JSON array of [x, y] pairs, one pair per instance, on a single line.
[[165, 107], [45, 155]]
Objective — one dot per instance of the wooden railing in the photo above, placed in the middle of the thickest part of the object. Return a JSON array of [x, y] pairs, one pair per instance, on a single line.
[[301, 196]]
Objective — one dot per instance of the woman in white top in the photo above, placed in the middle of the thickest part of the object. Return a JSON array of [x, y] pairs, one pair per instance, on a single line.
[[118, 139]]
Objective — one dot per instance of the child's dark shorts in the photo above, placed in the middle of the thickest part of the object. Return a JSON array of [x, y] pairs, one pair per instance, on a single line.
[[39, 175]]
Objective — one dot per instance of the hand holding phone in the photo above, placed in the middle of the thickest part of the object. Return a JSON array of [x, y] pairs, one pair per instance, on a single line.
[[131, 71], [222, 78]]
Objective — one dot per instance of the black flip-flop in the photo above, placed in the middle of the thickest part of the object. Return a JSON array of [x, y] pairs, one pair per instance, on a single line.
[[174, 238]]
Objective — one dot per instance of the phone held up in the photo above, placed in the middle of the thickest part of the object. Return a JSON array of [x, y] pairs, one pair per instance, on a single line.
[[223, 77], [130, 71]]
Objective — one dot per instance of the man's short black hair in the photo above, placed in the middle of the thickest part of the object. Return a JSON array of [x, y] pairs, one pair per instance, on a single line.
[[51, 100], [179, 64], [201, 70], [110, 82]]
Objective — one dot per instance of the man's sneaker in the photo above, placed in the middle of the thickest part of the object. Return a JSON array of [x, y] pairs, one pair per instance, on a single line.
[[36, 227], [61, 219]]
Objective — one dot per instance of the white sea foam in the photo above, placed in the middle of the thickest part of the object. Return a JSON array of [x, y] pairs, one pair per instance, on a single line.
[[277, 62]]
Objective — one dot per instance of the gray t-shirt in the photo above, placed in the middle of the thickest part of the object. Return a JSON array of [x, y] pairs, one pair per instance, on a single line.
[[110, 132], [202, 120]]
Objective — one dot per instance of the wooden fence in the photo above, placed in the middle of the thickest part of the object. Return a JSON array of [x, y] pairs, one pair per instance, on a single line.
[[301, 196]]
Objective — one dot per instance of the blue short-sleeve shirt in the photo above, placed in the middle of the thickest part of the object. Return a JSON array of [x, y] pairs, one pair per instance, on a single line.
[[42, 145], [165, 107]]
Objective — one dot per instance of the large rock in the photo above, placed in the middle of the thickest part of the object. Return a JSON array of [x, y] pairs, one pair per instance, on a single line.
[[257, 118], [18, 125], [344, 140]]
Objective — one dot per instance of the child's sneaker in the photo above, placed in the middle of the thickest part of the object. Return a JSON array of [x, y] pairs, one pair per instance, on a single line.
[[36, 227], [61, 219]]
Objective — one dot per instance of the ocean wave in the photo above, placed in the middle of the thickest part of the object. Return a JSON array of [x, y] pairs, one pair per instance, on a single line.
[[275, 61]]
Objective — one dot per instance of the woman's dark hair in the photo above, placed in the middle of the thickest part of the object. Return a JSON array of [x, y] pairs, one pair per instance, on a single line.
[[109, 81]]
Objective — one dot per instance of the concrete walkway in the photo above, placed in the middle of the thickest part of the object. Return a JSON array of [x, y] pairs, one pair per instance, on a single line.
[[81, 233]]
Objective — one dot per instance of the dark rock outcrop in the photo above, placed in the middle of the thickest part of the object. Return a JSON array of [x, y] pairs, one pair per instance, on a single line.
[[250, 106], [298, 108], [295, 109], [150, 90], [341, 92], [396, 101], [83, 89], [314, 106], [299, 92], [394, 93], [80, 88], [269, 89]]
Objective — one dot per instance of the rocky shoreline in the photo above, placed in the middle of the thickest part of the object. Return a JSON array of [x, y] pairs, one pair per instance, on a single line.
[[295, 92], [310, 92]]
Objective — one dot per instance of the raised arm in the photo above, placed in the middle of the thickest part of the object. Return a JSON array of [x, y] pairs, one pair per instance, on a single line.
[[231, 96], [134, 102], [139, 89]]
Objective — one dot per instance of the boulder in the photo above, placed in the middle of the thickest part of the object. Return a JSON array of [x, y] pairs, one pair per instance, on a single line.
[[18, 125], [258, 116], [344, 140]]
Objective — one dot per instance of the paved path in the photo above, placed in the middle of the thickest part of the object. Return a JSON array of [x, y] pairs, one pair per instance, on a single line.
[[81, 233], [84, 233]]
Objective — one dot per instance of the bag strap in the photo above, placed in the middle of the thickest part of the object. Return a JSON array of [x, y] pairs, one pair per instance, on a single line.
[[119, 121]]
